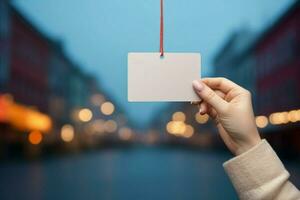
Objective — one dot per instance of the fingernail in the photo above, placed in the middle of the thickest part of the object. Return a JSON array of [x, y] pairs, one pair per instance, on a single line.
[[200, 111], [197, 85]]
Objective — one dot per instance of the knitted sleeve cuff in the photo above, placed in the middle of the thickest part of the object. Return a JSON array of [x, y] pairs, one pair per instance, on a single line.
[[253, 170]]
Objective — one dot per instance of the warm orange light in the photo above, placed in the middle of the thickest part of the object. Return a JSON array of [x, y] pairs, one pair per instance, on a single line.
[[176, 127], [67, 133], [35, 137], [274, 118], [27, 119], [5, 103], [22, 117], [293, 116], [201, 119], [178, 116], [285, 118], [298, 115], [98, 126], [169, 127], [37, 121], [279, 118], [261, 121], [107, 108], [125, 133], [189, 131], [85, 115], [110, 126]]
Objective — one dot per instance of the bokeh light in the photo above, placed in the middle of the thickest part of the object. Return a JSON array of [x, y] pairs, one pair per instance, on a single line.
[[110, 126], [293, 116], [85, 115], [37, 121], [125, 133], [107, 108], [176, 127], [261, 121], [178, 116], [67, 133], [201, 119], [189, 131], [98, 126], [35, 137], [279, 118]]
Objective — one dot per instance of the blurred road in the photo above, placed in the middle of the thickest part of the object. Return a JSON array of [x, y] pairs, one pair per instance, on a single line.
[[138, 173]]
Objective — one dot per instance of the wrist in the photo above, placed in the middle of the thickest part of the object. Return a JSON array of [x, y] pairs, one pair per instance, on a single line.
[[249, 144]]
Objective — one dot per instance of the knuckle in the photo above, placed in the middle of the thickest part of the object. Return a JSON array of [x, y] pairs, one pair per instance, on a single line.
[[219, 83], [247, 92], [224, 79]]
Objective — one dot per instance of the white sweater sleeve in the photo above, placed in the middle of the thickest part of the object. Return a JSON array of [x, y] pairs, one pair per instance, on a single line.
[[259, 174]]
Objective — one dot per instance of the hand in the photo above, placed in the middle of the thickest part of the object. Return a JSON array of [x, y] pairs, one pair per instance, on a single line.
[[230, 106]]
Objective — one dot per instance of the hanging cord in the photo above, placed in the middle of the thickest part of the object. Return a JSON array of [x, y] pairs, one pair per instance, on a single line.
[[161, 48]]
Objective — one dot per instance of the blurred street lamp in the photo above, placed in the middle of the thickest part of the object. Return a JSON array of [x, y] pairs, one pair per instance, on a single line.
[[125, 133], [261, 121], [67, 133], [38, 121], [23, 117], [176, 127], [298, 115], [189, 131], [279, 118], [201, 119], [285, 118], [85, 115], [110, 126], [35, 137], [98, 126], [107, 108], [274, 118], [178, 116], [293, 116]]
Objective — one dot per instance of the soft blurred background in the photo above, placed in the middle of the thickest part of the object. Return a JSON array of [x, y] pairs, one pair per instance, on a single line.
[[67, 130]]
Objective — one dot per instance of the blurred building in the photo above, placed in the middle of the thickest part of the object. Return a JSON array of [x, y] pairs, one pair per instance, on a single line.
[[4, 43], [29, 58], [235, 61], [269, 66], [277, 53], [59, 96], [45, 97]]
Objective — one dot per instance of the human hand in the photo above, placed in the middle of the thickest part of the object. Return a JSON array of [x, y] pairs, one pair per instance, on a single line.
[[230, 106]]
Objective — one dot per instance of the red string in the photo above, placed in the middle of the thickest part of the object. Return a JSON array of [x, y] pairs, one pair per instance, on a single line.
[[161, 48]]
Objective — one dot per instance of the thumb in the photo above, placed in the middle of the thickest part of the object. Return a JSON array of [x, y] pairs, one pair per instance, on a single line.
[[209, 96]]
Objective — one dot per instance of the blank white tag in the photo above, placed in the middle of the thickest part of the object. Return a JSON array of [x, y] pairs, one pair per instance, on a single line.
[[152, 78]]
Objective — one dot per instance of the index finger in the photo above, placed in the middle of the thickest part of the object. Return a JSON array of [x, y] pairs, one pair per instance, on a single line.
[[222, 84]]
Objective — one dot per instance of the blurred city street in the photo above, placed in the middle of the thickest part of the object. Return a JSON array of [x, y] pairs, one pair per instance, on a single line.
[[133, 173], [143, 173], [68, 131]]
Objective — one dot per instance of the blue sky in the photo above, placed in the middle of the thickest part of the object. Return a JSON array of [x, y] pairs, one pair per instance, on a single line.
[[98, 34]]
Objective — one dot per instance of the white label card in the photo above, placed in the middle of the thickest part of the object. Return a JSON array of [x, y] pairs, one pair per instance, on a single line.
[[152, 78]]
